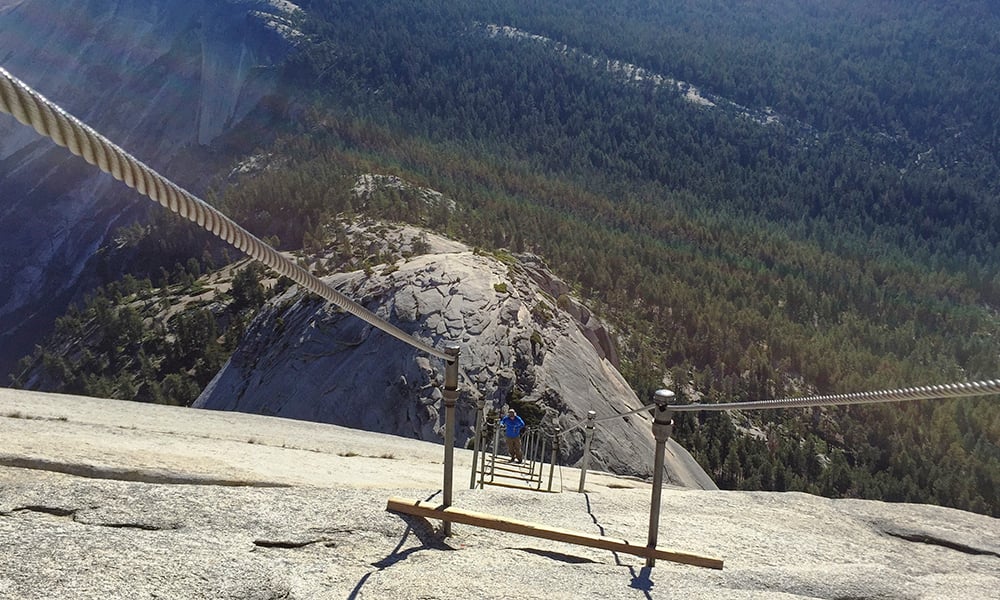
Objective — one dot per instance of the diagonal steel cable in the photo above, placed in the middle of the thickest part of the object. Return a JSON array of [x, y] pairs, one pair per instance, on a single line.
[[31, 108], [609, 417], [930, 392]]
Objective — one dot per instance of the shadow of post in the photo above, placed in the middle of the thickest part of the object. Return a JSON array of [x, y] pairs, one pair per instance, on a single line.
[[424, 532], [640, 581]]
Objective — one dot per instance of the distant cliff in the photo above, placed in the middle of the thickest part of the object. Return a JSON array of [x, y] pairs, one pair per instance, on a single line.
[[163, 79]]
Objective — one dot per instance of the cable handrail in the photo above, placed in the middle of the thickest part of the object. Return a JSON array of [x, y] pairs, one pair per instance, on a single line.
[[930, 392], [607, 418], [48, 119]]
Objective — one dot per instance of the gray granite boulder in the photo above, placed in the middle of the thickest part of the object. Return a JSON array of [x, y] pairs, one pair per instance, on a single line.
[[523, 339]]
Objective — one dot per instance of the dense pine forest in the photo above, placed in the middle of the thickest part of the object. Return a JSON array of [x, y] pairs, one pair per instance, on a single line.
[[821, 217]]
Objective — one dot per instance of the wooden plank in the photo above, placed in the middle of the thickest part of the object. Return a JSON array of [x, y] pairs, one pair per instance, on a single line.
[[455, 515], [513, 486], [507, 472], [509, 468]]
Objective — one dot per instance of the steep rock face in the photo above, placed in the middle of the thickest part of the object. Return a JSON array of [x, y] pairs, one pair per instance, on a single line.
[[160, 78], [304, 359]]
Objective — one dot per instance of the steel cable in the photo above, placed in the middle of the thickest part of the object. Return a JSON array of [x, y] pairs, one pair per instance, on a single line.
[[32, 109], [608, 418], [943, 391]]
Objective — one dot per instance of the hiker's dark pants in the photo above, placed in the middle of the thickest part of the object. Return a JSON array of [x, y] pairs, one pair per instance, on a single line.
[[514, 448]]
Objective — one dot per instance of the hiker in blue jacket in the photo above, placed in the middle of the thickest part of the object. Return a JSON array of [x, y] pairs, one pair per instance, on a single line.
[[513, 425]]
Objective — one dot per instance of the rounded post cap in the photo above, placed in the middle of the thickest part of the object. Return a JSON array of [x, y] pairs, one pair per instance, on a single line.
[[662, 398], [666, 395]]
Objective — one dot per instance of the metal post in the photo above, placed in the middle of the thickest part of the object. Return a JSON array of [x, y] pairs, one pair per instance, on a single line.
[[552, 464], [483, 449], [496, 446], [536, 436], [482, 458], [662, 428], [588, 436], [475, 445], [526, 446], [529, 451], [541, 462], [450, 398]]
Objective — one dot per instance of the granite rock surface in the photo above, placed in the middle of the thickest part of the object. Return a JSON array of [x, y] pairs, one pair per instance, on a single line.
[[173, 502]]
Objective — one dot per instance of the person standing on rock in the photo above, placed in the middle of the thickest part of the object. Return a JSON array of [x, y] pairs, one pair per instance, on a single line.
[[513, 425]]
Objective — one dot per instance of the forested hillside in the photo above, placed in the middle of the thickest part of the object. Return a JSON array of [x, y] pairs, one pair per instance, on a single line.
[[824, 221]]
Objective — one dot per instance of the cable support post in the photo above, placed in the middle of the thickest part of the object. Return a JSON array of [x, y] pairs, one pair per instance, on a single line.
[[662, 429], [537, 443], [477, 442], [496, 449], [450, 394], [526, 441], [552, 461], [541, 460], [484, 451], [588, 438]]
